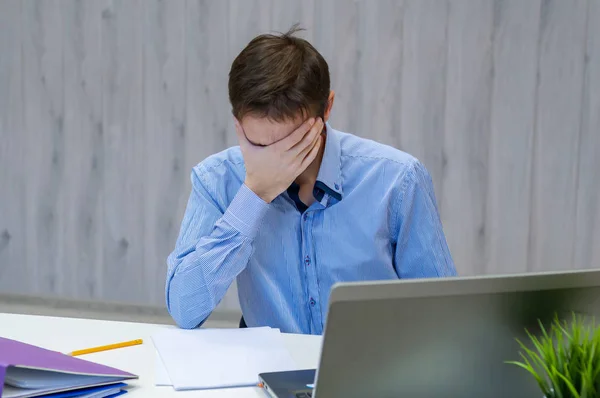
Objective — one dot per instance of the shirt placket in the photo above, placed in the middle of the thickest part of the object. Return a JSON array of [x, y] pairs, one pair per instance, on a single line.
[[310, 265]]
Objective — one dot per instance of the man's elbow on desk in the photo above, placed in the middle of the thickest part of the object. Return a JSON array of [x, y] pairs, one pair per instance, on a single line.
[[186, 324], [184, 319], [185, 315]]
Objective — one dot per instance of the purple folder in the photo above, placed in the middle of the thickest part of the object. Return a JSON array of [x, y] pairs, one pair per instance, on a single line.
[[30, 371]]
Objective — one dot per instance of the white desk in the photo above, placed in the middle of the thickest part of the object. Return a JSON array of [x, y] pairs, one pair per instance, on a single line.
[[66, 335]]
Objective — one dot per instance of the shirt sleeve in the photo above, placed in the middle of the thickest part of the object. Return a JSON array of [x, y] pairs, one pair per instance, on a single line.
[[421, 247], [212, 249]]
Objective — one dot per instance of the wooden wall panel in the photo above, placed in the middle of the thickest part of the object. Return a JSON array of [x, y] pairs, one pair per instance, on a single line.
[[13, 233], [374, 93], [43, 129], [125, 174], [557, 134], [105, 106], [337, 38], [467, 126], [516, 27], [208, 114], [284, 14], [423, 104], [84, 149], [164, 135], [587, 233]]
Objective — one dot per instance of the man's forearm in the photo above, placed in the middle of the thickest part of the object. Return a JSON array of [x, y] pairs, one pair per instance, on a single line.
[[201, 271], [202, 277]]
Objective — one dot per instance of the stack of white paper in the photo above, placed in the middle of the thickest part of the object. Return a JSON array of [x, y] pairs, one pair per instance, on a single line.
[[217, 358]]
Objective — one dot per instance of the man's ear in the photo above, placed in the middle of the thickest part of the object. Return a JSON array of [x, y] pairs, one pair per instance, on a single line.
[[329, 106]]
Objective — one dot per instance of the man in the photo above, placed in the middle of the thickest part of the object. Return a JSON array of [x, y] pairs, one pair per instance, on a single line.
[[298, 206]]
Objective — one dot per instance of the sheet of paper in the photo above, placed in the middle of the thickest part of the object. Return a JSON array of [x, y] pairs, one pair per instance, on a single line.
[[214, 358], [161, 377]]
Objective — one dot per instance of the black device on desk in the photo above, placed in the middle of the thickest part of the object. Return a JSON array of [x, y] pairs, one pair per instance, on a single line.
[[425, 338], [289, 384]]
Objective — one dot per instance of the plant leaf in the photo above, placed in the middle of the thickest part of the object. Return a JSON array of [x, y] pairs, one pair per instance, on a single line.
[[527, 366], [569, 386]]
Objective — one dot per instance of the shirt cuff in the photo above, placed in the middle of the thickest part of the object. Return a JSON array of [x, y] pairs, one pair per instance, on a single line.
[[246, 212]]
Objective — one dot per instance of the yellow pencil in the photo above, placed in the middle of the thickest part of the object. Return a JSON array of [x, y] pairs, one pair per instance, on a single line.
[[107, 347]]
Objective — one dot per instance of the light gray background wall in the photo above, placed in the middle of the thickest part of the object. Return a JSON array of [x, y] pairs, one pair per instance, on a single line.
[[106, 105]]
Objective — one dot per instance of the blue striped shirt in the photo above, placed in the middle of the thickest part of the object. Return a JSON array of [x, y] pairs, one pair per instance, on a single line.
[[375, 218]]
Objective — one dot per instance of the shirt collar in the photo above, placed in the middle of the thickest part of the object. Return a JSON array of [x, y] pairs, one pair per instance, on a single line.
[[330, 172]]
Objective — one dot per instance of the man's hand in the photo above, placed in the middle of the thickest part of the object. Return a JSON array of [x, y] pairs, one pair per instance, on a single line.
[[271, 169]]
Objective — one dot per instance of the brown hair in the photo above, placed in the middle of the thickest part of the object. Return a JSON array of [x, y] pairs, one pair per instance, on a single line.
[[278, 76]]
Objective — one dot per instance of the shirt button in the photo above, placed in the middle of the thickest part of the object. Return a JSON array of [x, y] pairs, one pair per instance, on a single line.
[[305, 217], [312, 301], [307, 260], [337, 186]]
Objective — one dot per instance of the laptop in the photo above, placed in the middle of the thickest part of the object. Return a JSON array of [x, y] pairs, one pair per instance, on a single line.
[[428, 338]]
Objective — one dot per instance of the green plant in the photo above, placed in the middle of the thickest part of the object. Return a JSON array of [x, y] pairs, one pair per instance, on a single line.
[[565, 359]]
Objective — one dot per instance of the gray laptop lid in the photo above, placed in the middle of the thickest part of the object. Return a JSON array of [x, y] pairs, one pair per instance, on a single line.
[[443, 337]]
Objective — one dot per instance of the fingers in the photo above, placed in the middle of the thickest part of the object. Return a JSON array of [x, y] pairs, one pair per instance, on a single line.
[[297, 135], [309, 138], [312, 154], [306, 149]]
